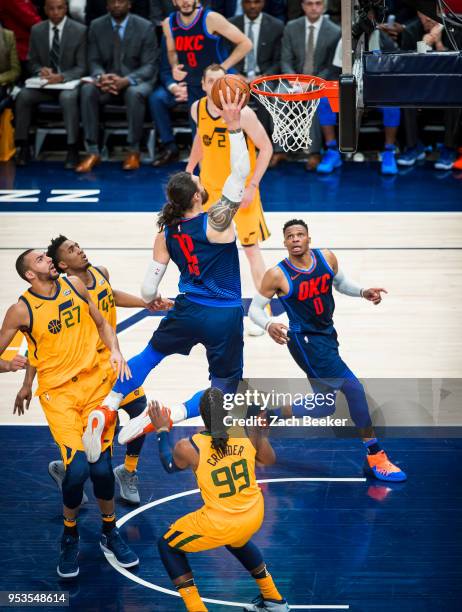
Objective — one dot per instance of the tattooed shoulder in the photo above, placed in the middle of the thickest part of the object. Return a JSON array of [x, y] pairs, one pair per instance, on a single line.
[[221, 214]]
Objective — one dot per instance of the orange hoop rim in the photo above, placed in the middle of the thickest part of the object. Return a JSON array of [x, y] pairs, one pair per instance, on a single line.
[[328, 89]]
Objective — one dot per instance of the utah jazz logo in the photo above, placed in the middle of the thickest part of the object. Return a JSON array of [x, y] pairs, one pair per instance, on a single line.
[[54, 326], [221, 142]]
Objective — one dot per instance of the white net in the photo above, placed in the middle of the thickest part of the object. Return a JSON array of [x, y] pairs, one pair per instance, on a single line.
[[292, 119]]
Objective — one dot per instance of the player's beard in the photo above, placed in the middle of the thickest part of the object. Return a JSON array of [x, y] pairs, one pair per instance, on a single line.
[[189, 13]]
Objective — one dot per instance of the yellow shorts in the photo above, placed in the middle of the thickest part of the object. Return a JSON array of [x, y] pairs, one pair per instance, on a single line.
[[67, 408], [250, 222], [205, 529]]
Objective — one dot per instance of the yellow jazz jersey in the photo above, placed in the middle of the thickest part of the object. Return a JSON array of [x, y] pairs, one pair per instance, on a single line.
[[62, 335], [227, 480], [215, 169], [101, 295], [216, 161]]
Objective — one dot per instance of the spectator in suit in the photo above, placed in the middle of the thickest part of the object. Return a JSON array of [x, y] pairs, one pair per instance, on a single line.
[[265, 33], [165, 96], [58, 54], [123, 59], [233, 8], [10, 69], [19, 16], [98, 8], [308, 47]]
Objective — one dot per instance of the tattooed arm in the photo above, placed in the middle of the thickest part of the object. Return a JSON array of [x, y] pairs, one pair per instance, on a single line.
[[220, 215]]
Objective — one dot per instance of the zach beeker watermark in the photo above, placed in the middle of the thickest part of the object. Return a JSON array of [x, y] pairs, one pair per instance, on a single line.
[[273, 420]]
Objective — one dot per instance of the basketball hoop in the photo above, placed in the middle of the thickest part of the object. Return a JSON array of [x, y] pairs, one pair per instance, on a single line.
[[292, 100]]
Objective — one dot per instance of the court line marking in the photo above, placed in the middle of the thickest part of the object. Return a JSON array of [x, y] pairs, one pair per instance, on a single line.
[[234, 604]]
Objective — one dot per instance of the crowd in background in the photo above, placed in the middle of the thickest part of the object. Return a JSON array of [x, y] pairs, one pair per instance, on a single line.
[[129, 60]]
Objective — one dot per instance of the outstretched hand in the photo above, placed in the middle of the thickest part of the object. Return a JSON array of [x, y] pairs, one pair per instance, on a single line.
[[374, 294]]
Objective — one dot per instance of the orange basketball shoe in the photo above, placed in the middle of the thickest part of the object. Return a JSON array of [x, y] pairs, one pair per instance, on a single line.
[[380, 467], [457, 165], [139, 426], [99, 422]]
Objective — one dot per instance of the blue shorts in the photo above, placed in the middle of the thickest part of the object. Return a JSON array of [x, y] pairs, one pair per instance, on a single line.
[[318, 356], [219, 330]]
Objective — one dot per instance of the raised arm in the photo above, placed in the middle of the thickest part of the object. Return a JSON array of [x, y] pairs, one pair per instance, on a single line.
[[221, 214], [257, 133], [217, 24]]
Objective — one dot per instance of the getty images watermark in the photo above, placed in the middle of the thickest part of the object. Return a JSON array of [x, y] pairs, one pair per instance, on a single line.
[[275, 409]]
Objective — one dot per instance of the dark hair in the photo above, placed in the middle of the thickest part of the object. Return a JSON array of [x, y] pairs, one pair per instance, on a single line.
[[213, 68], [52, 250], [180, 191], [294, 222], [21, 267], [211, 407]]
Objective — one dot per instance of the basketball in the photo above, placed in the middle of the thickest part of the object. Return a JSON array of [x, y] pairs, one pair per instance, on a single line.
[[234, 83]]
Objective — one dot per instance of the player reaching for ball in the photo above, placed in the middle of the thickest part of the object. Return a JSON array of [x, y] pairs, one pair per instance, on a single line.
[[233, 509], [303, 282], [211, 149], [209, 309]]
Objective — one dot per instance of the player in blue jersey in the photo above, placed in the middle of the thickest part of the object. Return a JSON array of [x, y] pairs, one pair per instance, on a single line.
[[197, 37], [208, 310], [303, 282]]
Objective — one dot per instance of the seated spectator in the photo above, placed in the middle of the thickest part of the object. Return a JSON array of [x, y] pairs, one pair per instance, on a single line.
[[234, 8], [98, 8], [308, 47], [265, 33], [10, 68], [123, 59], [429, 31], [57, 54], [19, 16], [165, 96]]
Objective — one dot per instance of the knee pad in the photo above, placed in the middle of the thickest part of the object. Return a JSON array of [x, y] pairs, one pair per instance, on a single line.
[[76, 474], [102, 476], [175, 561]]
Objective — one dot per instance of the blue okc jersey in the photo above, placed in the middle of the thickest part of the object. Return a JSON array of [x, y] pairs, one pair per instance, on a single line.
[[209, 272], [309, 303], [196, 48]]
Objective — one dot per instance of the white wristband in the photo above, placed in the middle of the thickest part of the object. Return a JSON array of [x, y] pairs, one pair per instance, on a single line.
[[154, 273]]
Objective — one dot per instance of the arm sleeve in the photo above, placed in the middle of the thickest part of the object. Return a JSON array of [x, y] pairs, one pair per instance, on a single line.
[[165, 453], [344, 285], [257, 312], [240, 167], [152, 278]]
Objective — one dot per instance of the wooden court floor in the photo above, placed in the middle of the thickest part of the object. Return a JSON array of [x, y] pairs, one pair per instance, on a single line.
[[415, 332]]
